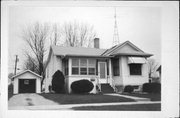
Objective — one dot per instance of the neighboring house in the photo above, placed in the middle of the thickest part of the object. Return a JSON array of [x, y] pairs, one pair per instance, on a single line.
[[27, 82], [159, 70], [121, 65]]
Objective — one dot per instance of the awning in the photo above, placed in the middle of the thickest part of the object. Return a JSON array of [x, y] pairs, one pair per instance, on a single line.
[[140, 60]]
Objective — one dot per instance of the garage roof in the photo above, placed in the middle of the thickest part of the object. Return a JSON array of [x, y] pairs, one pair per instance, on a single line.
[[23, 72]]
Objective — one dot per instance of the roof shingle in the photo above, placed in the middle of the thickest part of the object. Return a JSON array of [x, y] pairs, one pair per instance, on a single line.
[[77, 51]]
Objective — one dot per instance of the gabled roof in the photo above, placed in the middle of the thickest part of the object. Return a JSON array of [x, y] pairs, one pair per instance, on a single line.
[[23, 72], [76, 51], [129, 50]]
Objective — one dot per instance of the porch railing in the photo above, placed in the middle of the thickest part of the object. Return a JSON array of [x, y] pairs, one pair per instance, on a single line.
[[98, 83], [112, 83]]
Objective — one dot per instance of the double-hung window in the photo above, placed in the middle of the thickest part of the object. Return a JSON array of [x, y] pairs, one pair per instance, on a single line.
[[135, 69], [66, 67], [115, 64], [83, 66], [75, 66], [91, 66]]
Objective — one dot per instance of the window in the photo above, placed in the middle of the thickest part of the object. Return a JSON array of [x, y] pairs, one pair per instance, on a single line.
[[135, 69], [66, 67], [26, 81], [91, 71], [83, 66], [115, 64], [91, 66], [75, 66]]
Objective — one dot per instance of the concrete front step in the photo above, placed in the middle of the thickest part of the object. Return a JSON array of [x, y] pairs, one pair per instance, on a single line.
[[106, 88]]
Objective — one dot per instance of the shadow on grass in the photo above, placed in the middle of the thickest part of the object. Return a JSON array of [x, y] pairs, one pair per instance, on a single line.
[[82, 99], [138, 107], [151, 96]]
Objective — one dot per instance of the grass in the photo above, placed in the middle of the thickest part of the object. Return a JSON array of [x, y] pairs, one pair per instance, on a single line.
[[138, 107], [80, 99], [152, 96]]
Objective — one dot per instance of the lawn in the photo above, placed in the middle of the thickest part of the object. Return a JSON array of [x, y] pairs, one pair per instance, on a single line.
[[80, 99], [139, 107], [152, 96]]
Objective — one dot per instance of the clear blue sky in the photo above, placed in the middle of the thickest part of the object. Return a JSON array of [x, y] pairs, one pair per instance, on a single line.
[[140, 25]]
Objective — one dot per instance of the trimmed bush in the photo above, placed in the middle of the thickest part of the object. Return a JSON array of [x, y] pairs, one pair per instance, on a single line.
[[82, 86], [58, 82], [129, 89], [152, 87], [10, 91]]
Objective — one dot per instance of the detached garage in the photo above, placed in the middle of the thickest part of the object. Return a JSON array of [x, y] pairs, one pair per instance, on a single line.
[[27, 82]]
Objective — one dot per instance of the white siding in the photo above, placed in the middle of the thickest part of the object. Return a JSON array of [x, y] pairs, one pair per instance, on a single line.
[[133, 79], [125, 78], [55, 63]]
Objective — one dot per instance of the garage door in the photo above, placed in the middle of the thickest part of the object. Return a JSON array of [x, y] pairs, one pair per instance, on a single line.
[[27, 85]]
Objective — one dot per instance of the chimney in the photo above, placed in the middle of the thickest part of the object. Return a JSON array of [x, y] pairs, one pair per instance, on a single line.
[[96, 43]]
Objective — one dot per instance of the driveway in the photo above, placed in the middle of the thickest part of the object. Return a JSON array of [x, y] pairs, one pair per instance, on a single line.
[[29, 100]]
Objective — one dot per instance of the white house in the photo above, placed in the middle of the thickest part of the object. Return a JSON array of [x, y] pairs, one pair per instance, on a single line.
[[27, 82], [121, 65]]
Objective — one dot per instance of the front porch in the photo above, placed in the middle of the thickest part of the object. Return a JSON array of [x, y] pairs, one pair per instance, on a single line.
[[96, 70]]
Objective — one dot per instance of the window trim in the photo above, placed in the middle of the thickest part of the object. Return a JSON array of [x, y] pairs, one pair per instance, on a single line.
[[87, 67], [113, 73], [130, 65], [72, 66]]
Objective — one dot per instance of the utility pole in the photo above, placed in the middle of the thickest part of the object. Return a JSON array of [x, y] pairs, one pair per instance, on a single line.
[[15, 68]]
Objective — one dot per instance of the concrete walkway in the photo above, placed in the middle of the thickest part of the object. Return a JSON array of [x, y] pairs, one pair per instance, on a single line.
[[70, 106], [130, 97]]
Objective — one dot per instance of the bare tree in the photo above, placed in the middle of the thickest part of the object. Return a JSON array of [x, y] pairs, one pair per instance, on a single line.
[[152, 65], [35, 37], [78, 34], [31, 63], [55, 34]]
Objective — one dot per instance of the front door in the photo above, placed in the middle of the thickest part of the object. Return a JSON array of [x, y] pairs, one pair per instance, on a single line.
[[102, 72]]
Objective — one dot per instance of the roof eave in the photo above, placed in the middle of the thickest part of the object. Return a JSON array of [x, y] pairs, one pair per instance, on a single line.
[[132, 54], [25, 72], [93, 56]]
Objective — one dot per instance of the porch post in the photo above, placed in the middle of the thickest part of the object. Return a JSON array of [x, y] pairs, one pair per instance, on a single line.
[[69, 67], [110, 71], [69, 74]]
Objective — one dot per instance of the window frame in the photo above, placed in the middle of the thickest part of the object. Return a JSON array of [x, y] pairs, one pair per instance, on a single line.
[[137, 67], [83, 67], [91, 66], [74, 66], [117, 72], [87, 66]]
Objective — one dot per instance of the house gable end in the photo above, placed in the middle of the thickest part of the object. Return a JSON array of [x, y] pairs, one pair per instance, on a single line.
[[127, 48], [25, 72], [123, 48]]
